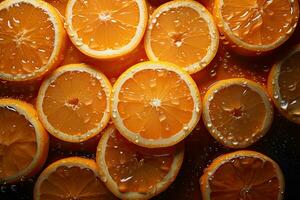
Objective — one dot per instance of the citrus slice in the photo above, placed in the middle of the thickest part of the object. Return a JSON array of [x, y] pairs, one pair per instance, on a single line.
[[284, 85], [106, 29], [71, 178], [182, 32], [32, 39], [242, 175], [237, 112], [133, 172], [155, 104], [23, 142], [255, 27], [73, 103]]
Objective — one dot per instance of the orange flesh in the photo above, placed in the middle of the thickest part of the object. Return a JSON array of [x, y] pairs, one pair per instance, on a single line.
[[73, 183], [60, 5], [155, 103], [237, 112], [245, 178], [105, 25], [17, 142], [181, 36], [79, 99], [259, 22], [26, 39], [289, 84], [134, 168]]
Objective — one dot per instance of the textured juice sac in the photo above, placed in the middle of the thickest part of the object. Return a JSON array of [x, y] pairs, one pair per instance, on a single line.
[[130, 165]]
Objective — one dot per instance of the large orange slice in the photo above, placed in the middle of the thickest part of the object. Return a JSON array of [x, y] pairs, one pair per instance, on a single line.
[[106, 29], [155, 104], [133, 172], [73, 103], [284, 85], [182, 32], [32, 38], [242, 175], [237, 112], [23, 141], [253, 27], [71, 178]]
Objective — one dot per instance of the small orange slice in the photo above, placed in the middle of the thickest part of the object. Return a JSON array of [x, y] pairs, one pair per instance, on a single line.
[[133, 172], [255, 27], [182, 32], [246, 175], [32, 39], [71, 178], [73, 103], [284, 85], [237, 112], [23, 141], [155, 104], [106, 29]]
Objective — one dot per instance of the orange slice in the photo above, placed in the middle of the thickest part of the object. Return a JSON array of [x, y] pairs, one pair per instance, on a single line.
[[32, 39], [133, 172], [23, 142], [284, 85], [237, 112], [106, 29], [155, 104], [255, 27], [73, 103], [71, 178], [182, 32], [242, 175]]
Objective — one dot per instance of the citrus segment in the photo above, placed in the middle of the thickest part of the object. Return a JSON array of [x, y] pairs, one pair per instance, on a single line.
[[242, 175], [23, 141], [60, 5], [133, 172], [182, 32], [32, 38], [256, 26], [106, 29], [71, 178], [284, 85], [80, 95], [237, 112], [155, 104]]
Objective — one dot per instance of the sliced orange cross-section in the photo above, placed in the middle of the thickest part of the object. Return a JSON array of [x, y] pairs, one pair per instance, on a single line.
[[242, 175], [23, 141], [71, 178], [237, 112], [73, 103], [255, 27], [284, 85], [134, 172], [106, 29], [32, 39], [182, 32], [155, 104]]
